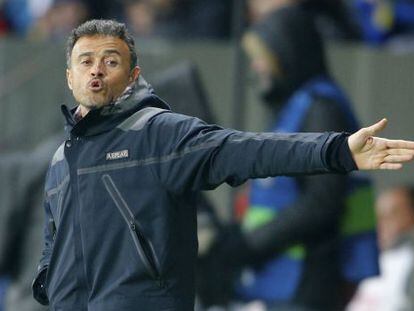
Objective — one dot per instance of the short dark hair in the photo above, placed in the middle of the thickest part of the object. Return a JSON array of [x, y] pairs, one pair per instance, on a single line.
[[102, 27]]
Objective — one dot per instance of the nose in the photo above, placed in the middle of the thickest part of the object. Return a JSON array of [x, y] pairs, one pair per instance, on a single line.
[[97, 70]]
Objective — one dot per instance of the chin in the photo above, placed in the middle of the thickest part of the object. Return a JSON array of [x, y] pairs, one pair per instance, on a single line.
[[97, 103]]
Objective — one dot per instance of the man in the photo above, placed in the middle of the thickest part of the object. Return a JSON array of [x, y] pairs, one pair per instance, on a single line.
[[120, 229], [394, 288], [290, 240], [395, 213]]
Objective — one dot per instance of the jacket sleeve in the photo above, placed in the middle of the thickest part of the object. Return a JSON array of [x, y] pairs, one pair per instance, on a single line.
[[193, 155], [321, 201], [38, 285]]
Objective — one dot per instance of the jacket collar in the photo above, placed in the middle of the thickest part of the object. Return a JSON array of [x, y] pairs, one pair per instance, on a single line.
[[105, 118]]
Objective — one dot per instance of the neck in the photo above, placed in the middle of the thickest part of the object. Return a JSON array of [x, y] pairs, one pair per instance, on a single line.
[[83, 111]]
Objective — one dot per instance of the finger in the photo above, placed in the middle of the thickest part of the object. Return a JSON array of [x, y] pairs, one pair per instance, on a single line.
[[398, 158], [400, 151], [390, 166], [377, 127], [400, 144]]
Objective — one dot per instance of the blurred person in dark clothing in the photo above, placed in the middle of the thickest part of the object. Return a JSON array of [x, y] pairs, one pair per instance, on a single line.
[[104, 9], [60, 19], [182, 19], [4, 28], [394, 288], [333, 18], [21, 221], [289, 243]]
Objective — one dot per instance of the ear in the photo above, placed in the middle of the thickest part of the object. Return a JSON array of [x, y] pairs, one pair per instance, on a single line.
[[69, 78], [134, 74]]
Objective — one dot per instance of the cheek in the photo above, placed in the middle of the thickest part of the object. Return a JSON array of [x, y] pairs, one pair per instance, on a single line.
[[79, 90], [119, 81], [77, 86], [77, 79]]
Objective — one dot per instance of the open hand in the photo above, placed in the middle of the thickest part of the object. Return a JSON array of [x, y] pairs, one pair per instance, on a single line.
[[370, 152]]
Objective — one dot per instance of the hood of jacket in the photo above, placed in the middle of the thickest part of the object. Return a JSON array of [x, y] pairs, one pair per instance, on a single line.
[[290, 34], [105, 118]]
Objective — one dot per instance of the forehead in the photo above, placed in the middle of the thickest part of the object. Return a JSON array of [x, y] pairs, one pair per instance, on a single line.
[[99, 44]]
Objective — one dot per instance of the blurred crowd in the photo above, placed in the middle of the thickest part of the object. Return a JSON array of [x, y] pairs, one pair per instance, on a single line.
[[166, 18], [306, 243], [372, 21]]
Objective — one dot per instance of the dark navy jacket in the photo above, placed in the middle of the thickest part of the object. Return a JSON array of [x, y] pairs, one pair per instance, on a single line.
[[120, 229]]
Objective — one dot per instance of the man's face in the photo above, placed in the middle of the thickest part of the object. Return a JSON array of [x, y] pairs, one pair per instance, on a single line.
[[260, 8], [263, 62], [395, 216], [99, 71]]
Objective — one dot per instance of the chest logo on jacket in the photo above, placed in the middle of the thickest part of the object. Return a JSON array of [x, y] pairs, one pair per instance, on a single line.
[[117, 155]]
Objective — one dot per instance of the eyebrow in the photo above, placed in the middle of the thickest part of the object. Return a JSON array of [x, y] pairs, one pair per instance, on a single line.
[[112, 52], [106, 52]]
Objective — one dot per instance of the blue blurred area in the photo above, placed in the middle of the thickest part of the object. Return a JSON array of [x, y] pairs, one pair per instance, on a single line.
[[4, 284], [382, 20], [19, 16]]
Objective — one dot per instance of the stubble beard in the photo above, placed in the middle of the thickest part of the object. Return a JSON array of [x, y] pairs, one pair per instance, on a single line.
[[90, 103]]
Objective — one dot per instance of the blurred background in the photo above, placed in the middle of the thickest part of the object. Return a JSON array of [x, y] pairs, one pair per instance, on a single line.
[[197, 48]]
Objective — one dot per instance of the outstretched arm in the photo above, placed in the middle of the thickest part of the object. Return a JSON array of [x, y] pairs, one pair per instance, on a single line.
[[193, 155], [371, 153]]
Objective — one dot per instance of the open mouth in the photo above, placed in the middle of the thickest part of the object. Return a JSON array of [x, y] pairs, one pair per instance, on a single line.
[[95, 85]]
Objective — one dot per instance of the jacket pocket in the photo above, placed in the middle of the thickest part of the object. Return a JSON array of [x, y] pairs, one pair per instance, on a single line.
[[39, 287], [143, 245]]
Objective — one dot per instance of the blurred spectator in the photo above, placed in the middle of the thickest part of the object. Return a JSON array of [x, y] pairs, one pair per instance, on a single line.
[[21, 221], [4, 27], [382, 20], [55, 18], [60, 19], [184, 19], [289, 242], [140, 17], [106, 9], [393, 290], [21, 15], [179, 18], [332, 17], [258, 9], [42, 18]]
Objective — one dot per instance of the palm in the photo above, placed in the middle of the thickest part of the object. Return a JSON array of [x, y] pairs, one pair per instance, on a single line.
[[370, 152]]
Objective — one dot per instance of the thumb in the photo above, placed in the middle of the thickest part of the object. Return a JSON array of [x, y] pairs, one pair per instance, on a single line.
[[376, 128]]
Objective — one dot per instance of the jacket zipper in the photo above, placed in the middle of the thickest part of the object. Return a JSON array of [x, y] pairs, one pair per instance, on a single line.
[[143, 245], [51, 224]]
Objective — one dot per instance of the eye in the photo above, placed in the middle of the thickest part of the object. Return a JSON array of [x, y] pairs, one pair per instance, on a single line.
[[86, 62], [111, 62]]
